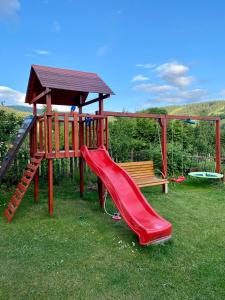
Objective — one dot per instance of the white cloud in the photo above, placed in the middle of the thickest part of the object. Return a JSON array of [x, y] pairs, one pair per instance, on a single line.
[[102, 50], [182, 81], [172, 68], [9, 8], [173, 84], [174, 73], [11, 95], [193, 94], [179, 97], [139, 77], [147, 66], [154, 88], [42, 52], [56, 26]]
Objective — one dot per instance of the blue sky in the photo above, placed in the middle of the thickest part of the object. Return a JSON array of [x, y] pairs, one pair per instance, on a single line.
[[151, 53]]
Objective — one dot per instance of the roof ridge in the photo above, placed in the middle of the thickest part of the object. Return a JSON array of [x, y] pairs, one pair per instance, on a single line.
[[49, 68]]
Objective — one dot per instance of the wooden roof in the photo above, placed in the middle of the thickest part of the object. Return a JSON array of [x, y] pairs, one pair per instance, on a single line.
[[66, 85]]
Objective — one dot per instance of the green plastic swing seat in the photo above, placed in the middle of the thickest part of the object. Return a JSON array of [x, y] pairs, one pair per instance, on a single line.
[[206, 175]]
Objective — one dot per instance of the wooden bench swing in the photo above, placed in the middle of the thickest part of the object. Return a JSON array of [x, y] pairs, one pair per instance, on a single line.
[[143, 174]]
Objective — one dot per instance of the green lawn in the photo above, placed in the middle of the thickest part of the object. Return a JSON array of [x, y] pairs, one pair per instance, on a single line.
[[81, 253]]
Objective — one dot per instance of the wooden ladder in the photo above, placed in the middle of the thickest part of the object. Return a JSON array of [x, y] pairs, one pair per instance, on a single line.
[[22, 187]]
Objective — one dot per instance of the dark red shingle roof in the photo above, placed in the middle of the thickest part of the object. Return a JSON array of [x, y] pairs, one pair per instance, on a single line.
[[72, 82]]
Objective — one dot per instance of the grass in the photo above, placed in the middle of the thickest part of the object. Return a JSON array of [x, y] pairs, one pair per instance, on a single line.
[[81, 253]]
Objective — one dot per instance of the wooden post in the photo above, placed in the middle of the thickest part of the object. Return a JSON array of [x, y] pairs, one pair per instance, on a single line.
[[50, 160], [81, 142], [106, 133], [101, 188], [218, 149], [163, 124], [34, 150], [101, 122]]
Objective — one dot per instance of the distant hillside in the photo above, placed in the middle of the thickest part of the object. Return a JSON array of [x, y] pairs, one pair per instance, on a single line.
[[14, 110], [23, 108], [210, 108]]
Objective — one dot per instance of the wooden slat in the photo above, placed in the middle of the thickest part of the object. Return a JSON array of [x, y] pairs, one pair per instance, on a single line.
[[75, 135], [21, 187], [18, 193], [12, 208], [150, 179], [32, 167], [66, 134], [28, 174], [49, 133], [144, 172], [147, 184], [141, 168], [57, 133], [106, 133], [34, 160], [86, 134], [89, 135], [62, 154], [93, 133], [26, 180], [14, 201], [137, 163], [45, 134], [40, 136], [141, 175]]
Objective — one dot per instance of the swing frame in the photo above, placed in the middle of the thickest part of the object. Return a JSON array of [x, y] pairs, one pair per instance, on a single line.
[[163, 121]]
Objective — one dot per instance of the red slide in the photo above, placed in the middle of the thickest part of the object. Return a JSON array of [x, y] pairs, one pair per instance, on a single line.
[[132, 205]]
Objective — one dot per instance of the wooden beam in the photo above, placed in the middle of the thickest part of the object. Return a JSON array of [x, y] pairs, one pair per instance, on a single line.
[[50, 187], [44, 93], [95, 100], [132, 115], [50, 161], [81, 142], [163, 124], [158, 116], [101, 188], [57, 134], [200, 118], [101, 122]]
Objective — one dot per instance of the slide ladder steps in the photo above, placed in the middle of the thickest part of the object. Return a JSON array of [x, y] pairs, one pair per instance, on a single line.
[[23, 186]]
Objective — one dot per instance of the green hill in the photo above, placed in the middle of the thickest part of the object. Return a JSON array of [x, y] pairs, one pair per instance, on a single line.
[[19, 109], [23, 108], [210, 108], [14, 110]]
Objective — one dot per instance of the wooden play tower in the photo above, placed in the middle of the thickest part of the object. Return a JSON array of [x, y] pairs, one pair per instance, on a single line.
[[60, 135]]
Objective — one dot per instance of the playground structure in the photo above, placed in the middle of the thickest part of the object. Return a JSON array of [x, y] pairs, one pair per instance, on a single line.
[[89, 141]]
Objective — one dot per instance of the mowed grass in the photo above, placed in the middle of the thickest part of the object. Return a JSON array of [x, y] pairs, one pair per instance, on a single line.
[[81, 253]]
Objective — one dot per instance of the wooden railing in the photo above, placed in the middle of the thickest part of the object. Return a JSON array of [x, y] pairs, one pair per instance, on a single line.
[[58, 134], [92, 132]]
